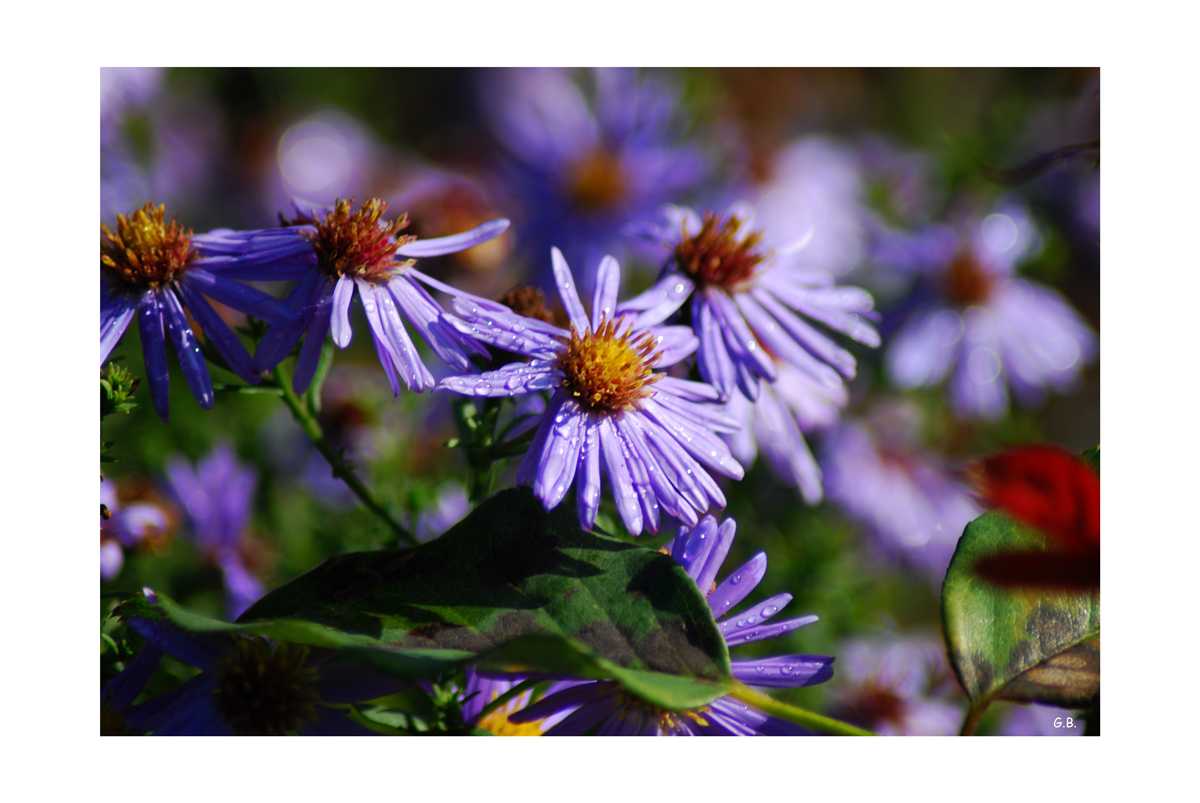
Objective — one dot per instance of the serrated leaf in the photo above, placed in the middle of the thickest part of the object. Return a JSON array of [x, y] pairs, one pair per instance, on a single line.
[[510, 569], [1028, 644]]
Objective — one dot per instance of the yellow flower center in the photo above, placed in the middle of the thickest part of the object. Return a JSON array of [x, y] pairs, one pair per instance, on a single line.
[[606, 370], [146, 252]]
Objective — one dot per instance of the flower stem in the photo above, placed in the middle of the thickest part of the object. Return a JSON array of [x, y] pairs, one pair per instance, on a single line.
[[799, 716], [312, 428]]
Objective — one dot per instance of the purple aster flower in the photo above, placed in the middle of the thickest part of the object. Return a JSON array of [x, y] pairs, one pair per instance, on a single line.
[[652, 433], [157, 269], [810, 209], [913, 507], [1041, 720], [332, 257], [481, 689], [216, 497], [792, 405], [582, 168], [450, 505], [124, 526], [750, 301], [254, 686], [897, 687], [987, 329], [117, 697], [603, 708]]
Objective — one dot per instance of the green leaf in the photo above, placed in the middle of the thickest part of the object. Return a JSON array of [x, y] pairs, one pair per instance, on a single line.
[[564, 656], [507, 570], [1022, 644]]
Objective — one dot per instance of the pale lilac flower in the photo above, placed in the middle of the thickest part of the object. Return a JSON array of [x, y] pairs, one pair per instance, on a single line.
[[752, 301], [897, 686], [988, 330], [216, 496], [811, 206], [789, 407], [1041, 720], [914, 509], [338, 254], [654, 435], [603, 708], [580, 167], [451, 504], [126, 527]]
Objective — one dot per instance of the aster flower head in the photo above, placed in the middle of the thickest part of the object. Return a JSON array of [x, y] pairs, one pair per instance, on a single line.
[[583, 166], [123, 527], [751, 302], [986, 330], [776, 424], [156, 268], [333, 254], [910, 502], [253, 686], [897, 687], [216, 498], [611, 406], [604, 708]]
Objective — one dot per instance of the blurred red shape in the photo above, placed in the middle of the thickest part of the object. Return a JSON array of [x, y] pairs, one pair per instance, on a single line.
[[1048, 488], [1058, 493]]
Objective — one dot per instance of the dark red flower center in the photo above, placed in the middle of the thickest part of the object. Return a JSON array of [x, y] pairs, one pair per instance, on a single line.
[[356, 244], [967, 283], [715, 255], [265, 689], [596, 183], [146, 252]]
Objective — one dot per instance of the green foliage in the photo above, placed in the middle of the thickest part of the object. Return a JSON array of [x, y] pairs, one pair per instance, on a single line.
[[508, 569], [117, 385], [1020, 644]]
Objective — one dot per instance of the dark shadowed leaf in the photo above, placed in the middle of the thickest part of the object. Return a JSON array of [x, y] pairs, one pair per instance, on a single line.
[[1019, 643], [509, 569]]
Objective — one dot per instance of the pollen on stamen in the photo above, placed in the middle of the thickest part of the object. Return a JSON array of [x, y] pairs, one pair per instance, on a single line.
[[356, 244], [715, 256], [667, 720], [606, 370], [146, 251], [265, 689]]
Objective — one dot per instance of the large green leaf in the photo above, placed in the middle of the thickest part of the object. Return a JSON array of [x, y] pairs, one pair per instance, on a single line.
[[509, 569], [1024, 644]]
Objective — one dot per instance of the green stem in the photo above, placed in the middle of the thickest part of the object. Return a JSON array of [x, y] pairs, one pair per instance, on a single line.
[[312, 429], [971, 723], [806, 719]]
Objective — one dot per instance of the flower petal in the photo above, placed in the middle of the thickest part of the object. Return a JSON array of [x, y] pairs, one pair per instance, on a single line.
[[116, 311], [608, 282], [455, 242], [187, 349], [339, 323], [154, 351], [785, 671], [738, 585], [567, 291]]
